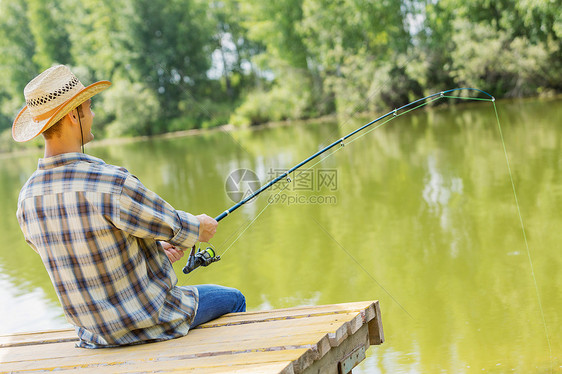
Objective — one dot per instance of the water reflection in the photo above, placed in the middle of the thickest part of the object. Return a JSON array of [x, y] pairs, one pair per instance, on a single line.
[[441, 194], [27, 308], [424, 205]]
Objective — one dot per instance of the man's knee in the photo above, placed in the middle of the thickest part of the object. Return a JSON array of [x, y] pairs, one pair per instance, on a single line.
[[240, 302]]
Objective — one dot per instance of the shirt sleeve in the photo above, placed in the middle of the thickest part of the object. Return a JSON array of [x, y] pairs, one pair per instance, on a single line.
[[23, 222], [144, 214]]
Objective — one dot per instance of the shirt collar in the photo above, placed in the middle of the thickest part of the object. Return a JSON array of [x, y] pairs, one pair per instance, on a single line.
[[66, 159]]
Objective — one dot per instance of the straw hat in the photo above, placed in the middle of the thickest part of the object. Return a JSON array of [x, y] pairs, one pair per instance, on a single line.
[[49, 97]]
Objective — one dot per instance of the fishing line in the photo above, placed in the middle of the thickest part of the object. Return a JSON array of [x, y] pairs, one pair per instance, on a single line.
[[467, 98], [424, 101], [395, 114], [524, 233], [270, 200], [392, 118], [335, 143], [362, 268]]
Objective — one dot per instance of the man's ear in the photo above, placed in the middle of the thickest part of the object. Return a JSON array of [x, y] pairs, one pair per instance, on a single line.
[[73, 116]]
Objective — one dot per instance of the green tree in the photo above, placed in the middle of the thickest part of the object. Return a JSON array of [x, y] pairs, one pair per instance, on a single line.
[[275, 24], [359, 47], [99, 37], [232, 47], [17, 48], [435, 43], [187, 63], [46, 23], [171, 43], [509, 48], [161, 49], [134, 106], [294, 87]]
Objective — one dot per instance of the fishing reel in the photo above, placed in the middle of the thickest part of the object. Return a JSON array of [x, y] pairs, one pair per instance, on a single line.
[[201, 258]]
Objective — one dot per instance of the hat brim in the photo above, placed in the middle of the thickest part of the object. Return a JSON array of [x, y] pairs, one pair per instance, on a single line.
[[26, 128]]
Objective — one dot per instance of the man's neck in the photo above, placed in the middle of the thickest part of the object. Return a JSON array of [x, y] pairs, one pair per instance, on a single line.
[[54, 148]]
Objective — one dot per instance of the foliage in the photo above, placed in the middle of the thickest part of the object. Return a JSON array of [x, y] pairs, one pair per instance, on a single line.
[[180, 64], [287, 101], [17, 47], [44, 17], [171, 40], [135, 108], [479, 51], [512, 48]]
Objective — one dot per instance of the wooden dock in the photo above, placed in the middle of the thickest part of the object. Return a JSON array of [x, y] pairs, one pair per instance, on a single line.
[[316, 339]]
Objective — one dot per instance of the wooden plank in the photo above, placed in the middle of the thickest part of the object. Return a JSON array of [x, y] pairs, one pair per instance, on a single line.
[[358, 305], [227, 337], [290, 313], [262, 362], [281, 368], [259, 368], [329, 363], [63, 335], [64, 354], [284, 359], [233, 342], [43, 337], [57, 355], [376, 334], [120, 356]]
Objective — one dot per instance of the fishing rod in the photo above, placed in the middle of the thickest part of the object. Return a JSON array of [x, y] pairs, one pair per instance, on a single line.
[[207, 256]]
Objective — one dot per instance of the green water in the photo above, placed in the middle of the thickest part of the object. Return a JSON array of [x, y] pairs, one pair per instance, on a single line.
[[419, 214]]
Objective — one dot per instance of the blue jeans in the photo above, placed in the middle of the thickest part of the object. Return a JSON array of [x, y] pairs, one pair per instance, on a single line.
[[214, 301]]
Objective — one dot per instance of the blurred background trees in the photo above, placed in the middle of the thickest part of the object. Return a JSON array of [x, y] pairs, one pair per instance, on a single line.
[[181, 64]]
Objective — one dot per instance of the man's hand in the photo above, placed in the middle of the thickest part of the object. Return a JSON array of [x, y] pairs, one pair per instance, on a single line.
[[174, 253], [207, 227]]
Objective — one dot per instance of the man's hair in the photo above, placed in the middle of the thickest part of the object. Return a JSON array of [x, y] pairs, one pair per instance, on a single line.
[[55, 130]]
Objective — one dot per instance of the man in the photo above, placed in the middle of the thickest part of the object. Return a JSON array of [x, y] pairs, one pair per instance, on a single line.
[[107, 241]]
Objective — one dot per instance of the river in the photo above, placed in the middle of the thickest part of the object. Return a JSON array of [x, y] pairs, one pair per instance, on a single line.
[[419, 214]]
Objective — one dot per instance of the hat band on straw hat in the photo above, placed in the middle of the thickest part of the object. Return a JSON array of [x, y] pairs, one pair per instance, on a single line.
[[48, 114], [38, 101]]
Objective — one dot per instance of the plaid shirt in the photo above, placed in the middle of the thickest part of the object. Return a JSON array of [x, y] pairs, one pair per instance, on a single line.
[[96, 228]]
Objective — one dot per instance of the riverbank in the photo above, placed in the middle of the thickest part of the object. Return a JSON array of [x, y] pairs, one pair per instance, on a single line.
[[36, 145]]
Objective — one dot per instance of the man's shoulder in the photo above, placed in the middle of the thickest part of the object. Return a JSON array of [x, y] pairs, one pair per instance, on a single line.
[[76, 177], [100, 177], [103, 168]]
